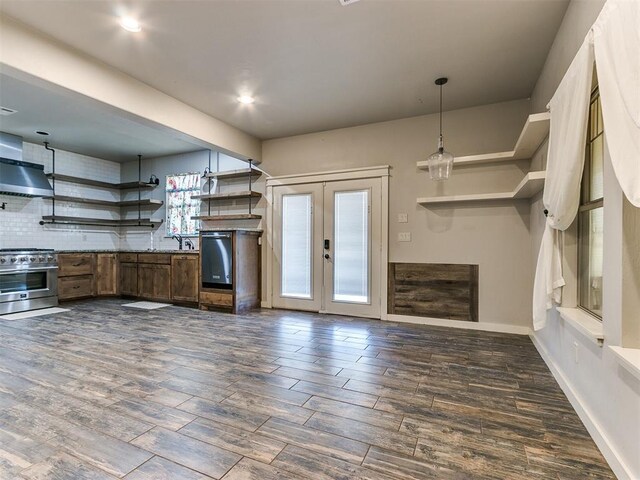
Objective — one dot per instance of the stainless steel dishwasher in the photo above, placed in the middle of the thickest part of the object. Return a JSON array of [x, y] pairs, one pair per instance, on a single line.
[[217, 260]]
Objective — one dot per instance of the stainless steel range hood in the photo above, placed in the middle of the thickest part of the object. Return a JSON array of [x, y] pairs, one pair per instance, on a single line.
[[17, 177]]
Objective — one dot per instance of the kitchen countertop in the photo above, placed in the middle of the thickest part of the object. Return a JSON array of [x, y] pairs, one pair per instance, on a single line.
[[192, 252]]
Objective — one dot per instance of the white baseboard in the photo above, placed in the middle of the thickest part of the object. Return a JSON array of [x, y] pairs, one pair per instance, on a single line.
[[602, 441], [440, 322], [265, 304]]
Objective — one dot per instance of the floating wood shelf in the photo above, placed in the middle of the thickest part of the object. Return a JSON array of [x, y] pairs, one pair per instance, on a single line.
[[143, 202], [241, 216], [535, 130], [229, 174], [98, 183], [228, 196], [531, 184], [105, 222], [109, 203]]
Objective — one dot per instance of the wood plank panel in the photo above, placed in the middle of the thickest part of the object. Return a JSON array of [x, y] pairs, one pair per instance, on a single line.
[[434, 290]]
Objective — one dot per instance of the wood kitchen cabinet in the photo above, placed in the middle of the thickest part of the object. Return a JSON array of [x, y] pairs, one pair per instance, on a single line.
[[128, 279], [245, 290], [184, 278], [154, 276], [75, 288], [106, 274], [74, 264], [75, 276]]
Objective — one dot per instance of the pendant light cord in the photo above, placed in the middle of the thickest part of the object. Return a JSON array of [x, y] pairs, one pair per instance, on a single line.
[[441, 110]]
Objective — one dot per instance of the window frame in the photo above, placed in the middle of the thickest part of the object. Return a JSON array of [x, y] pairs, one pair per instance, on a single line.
[[586, 204], [196, 190]]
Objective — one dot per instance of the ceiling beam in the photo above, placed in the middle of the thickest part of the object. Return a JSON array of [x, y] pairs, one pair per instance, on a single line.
[[28, 55]]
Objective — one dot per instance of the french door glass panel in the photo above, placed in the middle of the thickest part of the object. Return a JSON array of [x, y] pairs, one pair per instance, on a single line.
[[297, 241], [351, 250]]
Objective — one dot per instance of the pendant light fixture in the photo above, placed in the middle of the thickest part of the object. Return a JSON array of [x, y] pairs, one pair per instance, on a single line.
[[440, 162]]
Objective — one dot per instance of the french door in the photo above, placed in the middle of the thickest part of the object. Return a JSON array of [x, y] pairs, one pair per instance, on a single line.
[[327, 247]]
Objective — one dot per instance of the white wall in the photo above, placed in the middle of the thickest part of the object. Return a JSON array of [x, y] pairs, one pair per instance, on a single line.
[[606, 396], [493, 235], [20, 227]]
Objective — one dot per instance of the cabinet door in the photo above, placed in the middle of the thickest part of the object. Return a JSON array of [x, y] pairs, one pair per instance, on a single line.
[[145, 280], [107, 274], [162, 282], [184, 278], [129, 279]]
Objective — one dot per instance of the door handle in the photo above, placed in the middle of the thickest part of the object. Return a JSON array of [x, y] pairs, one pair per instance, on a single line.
[[327, 256]]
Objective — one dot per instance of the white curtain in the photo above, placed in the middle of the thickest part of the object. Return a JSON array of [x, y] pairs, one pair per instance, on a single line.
[[565, 160], [616, 36], [614, 42]]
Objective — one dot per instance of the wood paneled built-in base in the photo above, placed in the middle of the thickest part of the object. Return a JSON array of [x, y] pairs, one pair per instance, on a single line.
[[104, 392], [435, 290]]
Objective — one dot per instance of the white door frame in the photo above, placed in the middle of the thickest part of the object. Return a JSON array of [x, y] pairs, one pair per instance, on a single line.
[[381, 172]]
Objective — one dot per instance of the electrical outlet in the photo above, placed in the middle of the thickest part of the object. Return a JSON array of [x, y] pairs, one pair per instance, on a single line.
[[403, 218], [404, 236], [575, 351]]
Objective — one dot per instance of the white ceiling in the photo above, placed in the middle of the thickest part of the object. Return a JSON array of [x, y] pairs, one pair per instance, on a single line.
[[80, 125], [313, 65]]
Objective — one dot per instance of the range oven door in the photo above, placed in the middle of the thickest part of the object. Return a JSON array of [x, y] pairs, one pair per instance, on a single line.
[[28, 283], [216, 250]]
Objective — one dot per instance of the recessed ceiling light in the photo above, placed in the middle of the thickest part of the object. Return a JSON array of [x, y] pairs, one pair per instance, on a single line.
[[130, 24], [40, 132], [246, 99]]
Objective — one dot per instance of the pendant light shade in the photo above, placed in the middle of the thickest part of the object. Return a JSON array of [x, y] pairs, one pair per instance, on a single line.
[[440, 162]]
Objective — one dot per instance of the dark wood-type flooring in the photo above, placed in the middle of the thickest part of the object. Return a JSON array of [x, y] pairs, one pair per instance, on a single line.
[[105, 392]]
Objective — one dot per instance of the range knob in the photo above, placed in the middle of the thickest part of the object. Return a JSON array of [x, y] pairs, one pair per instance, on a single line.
[[50, 258], [23, 259], [14, 259], [41, 259], [3, 260], [32, 259]]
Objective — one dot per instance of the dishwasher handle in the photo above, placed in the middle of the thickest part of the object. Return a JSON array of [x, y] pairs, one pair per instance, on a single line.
[[217, 234]]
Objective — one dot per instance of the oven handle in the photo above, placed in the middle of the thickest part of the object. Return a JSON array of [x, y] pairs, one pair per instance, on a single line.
[[21, 270]]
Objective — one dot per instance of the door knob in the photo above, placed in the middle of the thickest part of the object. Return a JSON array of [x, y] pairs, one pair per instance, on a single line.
[[326, 255]]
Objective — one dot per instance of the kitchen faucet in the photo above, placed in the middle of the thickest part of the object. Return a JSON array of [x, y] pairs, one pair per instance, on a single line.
[[178, 237], [189, 244]]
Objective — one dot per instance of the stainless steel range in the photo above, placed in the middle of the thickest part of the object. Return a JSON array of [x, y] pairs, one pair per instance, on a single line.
[[28, 279]]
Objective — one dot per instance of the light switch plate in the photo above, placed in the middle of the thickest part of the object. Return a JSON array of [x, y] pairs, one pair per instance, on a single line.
[[404, 236], [403, 218]]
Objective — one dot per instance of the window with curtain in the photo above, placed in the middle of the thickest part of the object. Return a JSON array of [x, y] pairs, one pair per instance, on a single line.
[[590, 214], [181, 207]]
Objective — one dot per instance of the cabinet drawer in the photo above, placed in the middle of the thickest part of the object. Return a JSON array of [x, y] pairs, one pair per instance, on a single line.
[[75, 287], [70, 264], [213, 298], [129, 257], [157, 258], [185, 256]]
